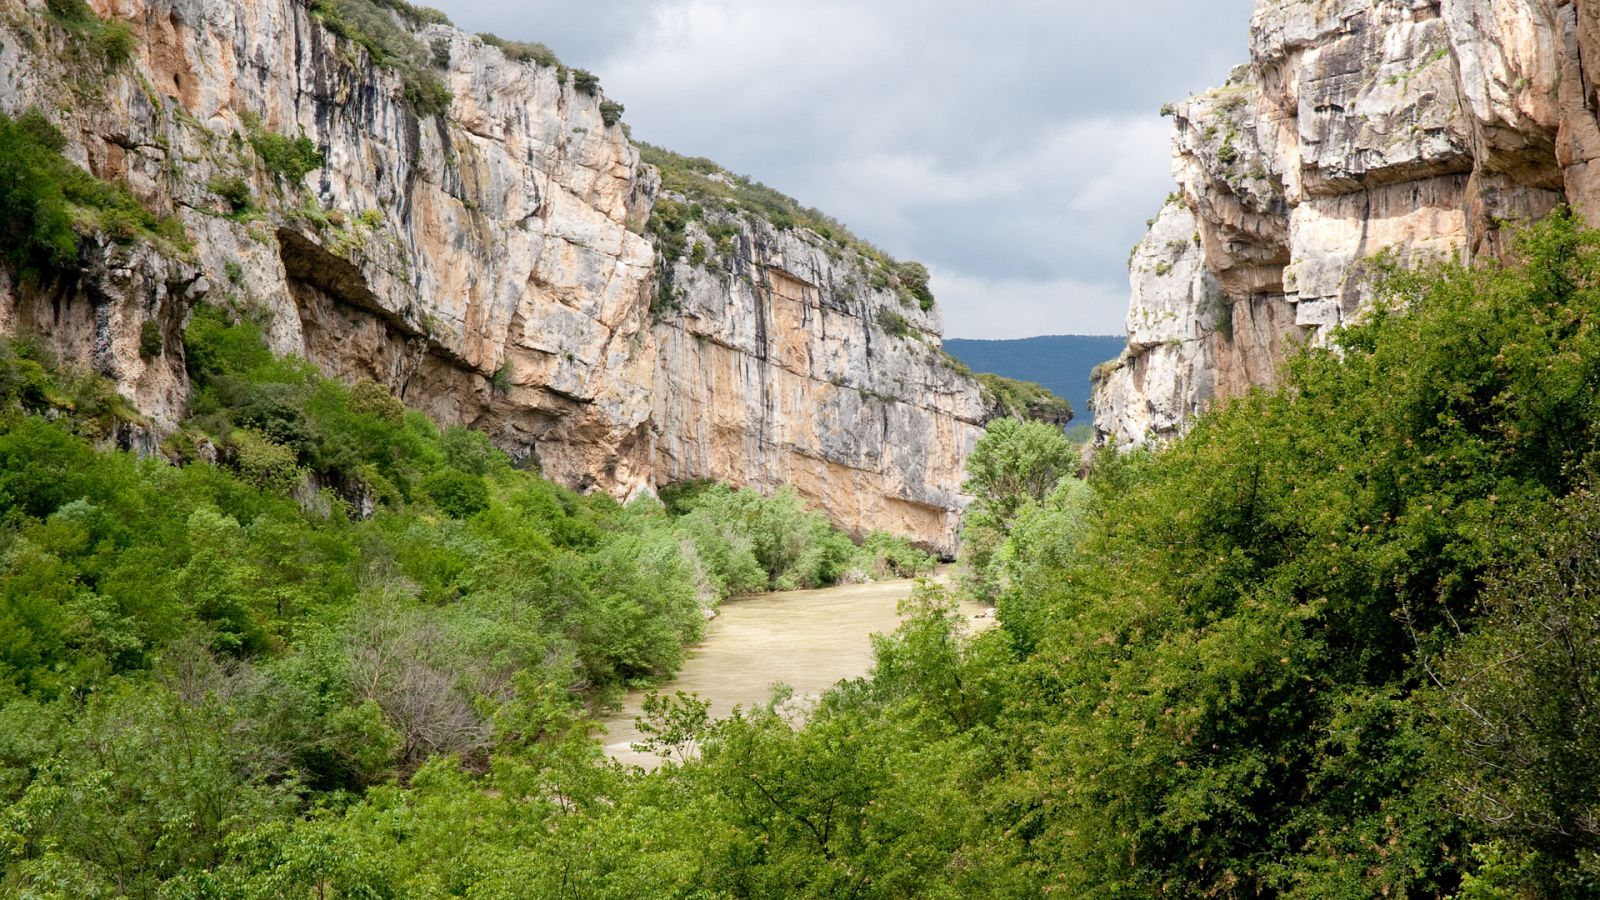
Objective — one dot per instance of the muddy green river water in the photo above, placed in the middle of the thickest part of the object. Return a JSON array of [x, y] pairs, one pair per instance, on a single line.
[[808, 640]]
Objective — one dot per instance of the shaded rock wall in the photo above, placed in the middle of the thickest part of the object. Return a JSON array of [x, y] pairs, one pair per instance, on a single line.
[[489, 264], [1417, 127]]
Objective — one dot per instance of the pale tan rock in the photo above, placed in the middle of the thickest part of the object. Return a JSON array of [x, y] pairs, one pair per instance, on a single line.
[[488, 265], [1412, 129], [776, 368]]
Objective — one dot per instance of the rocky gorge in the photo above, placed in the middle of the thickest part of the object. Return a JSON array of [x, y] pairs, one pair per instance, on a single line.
[[466, 222], [1409, 129]]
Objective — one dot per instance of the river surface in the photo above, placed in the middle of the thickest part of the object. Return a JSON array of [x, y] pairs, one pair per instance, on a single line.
[[808, 640]]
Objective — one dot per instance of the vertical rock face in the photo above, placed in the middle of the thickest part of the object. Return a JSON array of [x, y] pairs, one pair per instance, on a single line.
[[1418, 128], [488, 264], [780, 363]]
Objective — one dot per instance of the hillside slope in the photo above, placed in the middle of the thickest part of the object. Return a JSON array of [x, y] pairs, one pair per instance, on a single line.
[[1061, 363]]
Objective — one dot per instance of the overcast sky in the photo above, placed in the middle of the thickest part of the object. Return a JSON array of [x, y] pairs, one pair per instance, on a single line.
[[1014, 145]]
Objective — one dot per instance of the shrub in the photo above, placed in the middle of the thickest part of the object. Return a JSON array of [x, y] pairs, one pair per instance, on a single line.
[[291, 159], [668, 221], [611, 112], [458, 494], [114, 44], [110, 43], [1517, 700], [914, 281], [151, 343], [585, 82], [895, 324], [524, 51], [45, 198], [37, 227], [263, 462], [233, 189]]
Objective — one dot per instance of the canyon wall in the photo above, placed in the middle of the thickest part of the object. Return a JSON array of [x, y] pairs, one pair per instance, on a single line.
[[1419, 129], [487, 261], [780, 362]]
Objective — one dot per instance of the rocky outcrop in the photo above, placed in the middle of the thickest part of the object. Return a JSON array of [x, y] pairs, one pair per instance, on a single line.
[[1414, 128], [488, 263], [779, 362]]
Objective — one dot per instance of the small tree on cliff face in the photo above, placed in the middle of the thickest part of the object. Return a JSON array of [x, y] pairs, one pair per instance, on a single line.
[[1015, 464]]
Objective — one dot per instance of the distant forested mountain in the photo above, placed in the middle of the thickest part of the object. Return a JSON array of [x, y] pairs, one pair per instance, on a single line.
[[1060, 362]]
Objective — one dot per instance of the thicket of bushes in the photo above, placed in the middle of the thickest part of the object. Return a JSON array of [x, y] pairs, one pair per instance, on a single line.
[[192, 653], [1338, 642]]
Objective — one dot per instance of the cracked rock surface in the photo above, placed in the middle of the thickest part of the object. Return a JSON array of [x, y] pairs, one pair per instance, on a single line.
[[1417, 128], [489, 265]]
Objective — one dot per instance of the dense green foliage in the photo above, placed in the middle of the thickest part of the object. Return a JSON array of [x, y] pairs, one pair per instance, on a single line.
[[331, 598], [46, 200], [752, 543], [1339, 641], [1017, 466]]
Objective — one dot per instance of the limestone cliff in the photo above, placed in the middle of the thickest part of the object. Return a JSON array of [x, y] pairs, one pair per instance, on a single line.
[[1418, 127], [779, 362], [482, 252]]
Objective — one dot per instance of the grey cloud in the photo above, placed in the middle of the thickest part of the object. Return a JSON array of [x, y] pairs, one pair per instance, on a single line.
[[1014, 146]]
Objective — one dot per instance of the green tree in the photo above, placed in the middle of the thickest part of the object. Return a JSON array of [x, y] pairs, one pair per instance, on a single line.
[[1516, 706]]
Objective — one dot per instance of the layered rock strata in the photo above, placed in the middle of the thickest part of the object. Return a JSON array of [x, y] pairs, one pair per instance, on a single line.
[[783, 358], [488, 263], [1414, 128]]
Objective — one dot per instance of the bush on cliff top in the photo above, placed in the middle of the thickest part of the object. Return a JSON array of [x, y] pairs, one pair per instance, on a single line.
[[1023, 399], [373, 25], [702, 182]]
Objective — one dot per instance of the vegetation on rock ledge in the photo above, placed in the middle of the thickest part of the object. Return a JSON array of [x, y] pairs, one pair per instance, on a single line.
[[46, 201]]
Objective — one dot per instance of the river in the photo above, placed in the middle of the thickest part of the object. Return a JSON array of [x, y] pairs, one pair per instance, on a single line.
[[808, 640]]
